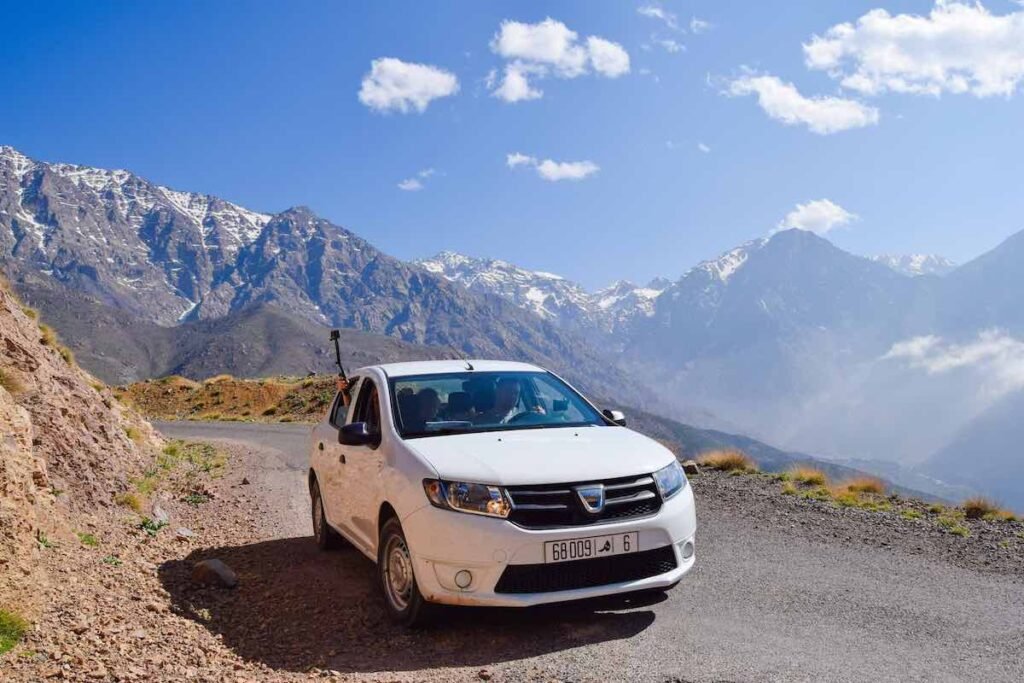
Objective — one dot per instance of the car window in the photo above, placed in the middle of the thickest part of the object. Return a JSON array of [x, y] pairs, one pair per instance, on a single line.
[[367, 408], [427, 405], [339, 411]]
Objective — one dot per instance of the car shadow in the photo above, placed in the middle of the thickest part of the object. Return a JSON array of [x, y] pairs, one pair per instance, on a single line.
[[297, 608]]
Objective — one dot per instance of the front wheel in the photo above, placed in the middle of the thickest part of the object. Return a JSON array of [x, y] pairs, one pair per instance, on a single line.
[[402, 598]]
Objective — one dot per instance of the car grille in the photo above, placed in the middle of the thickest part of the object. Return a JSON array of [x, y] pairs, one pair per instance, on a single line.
[[563, 576], [545, 506]]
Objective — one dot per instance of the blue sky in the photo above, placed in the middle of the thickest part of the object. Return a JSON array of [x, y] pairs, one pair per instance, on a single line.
[[259, 103]]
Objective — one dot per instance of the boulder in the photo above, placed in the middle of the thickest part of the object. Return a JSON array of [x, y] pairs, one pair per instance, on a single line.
[[214, 573], [690, 467]]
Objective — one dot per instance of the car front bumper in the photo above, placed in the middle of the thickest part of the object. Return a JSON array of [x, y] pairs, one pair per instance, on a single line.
[[444, 543]]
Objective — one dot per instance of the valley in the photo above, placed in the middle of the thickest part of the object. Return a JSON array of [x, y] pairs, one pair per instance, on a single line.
[[786, 338]]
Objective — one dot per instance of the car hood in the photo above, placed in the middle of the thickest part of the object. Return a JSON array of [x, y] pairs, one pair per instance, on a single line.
[[542, 456]]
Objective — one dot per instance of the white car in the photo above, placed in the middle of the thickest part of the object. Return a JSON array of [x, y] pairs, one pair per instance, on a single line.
[[495, 483]]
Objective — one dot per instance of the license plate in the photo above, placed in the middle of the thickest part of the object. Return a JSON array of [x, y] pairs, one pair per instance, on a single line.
[[593, 546]]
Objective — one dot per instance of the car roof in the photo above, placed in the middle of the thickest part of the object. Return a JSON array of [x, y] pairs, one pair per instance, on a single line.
[[438, 367]]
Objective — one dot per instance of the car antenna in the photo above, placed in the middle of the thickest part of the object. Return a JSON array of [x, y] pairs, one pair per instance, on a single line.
[[335, 337]]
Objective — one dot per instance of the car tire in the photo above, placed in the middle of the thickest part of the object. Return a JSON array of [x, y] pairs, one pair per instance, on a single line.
[[402, 598], [323, 533]]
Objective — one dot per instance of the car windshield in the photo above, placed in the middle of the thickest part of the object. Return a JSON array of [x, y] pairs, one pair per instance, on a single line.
[[458, 402]]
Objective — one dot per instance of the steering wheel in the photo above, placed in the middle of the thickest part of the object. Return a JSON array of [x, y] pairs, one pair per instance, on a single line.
[[529, 417]]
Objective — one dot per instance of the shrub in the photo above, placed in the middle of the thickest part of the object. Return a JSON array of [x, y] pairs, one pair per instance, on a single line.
[[44, 542], [112, 561], [67, 354], [951, 525], [133, 434], [30, 312], [130, 501], [728, 461], [12, 629], [808, 475], [151, 526], [10, 382], [47, 337], [980, 508], [88, 540], [788, 489], [863, 485], [910, 514], [817, 493], [936, 508]]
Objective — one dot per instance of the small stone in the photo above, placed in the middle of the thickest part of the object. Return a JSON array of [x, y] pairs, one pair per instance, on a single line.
[[245, 481], [184, 532], [159, 514], [484, 675], [214, 573], [690, 467]]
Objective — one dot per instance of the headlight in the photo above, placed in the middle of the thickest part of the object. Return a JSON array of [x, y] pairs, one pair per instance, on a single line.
[[671, 480], [477, 499]]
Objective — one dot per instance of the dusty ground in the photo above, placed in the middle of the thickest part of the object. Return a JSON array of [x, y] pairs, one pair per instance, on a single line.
[[785, 589]]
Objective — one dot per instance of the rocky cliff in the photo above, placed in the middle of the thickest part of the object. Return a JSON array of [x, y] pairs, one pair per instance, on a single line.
[[67, 446]]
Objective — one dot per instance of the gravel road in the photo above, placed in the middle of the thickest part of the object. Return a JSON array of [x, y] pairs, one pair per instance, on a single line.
[[783, 590]]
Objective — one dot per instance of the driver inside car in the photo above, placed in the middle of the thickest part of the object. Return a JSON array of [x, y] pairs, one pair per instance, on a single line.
[[506, 401]]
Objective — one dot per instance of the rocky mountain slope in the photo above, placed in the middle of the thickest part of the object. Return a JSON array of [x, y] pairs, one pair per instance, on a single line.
[[69, 447], [916, 264], [165, 257], [596, 315]]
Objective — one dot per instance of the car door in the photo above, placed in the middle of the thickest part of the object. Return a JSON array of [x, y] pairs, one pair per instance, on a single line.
[[362, 466], [331, 467]]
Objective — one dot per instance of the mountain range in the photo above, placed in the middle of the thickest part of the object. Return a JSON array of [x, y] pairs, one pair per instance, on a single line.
[[786, 338]]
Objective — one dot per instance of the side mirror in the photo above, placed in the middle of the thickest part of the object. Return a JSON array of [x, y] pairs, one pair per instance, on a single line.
[[615, 416], [357, 434]]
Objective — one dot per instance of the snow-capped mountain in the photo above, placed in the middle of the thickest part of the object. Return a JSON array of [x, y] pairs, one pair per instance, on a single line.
[[113, 240], [551, 296], [916, 264]]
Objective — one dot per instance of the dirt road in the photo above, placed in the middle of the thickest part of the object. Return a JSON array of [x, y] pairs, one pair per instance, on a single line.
[[781, 591]]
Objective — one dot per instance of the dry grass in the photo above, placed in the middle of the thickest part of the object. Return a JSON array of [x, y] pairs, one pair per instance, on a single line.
[[67, 354], [728, 461], [788, 489], [808, 475], [10, 382], [983, 508], [47, 337], [217, 379], [129, 500], [862, 485]]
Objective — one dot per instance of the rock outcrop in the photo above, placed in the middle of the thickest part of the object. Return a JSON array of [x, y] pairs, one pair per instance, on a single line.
[[67, 448]]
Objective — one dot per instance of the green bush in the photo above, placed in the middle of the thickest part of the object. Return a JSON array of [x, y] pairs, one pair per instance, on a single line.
[[12, 629]]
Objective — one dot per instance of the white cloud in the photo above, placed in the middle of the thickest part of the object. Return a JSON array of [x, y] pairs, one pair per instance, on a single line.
[[566, 170], [415, 184], [516, 159], [956, 48], [549, 48], [703, 148], [783, 102], [818, 216], [656, 12], [997, 355], [699, 25], [394, 85], [608, 59], [551, 170], [672, 46]]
